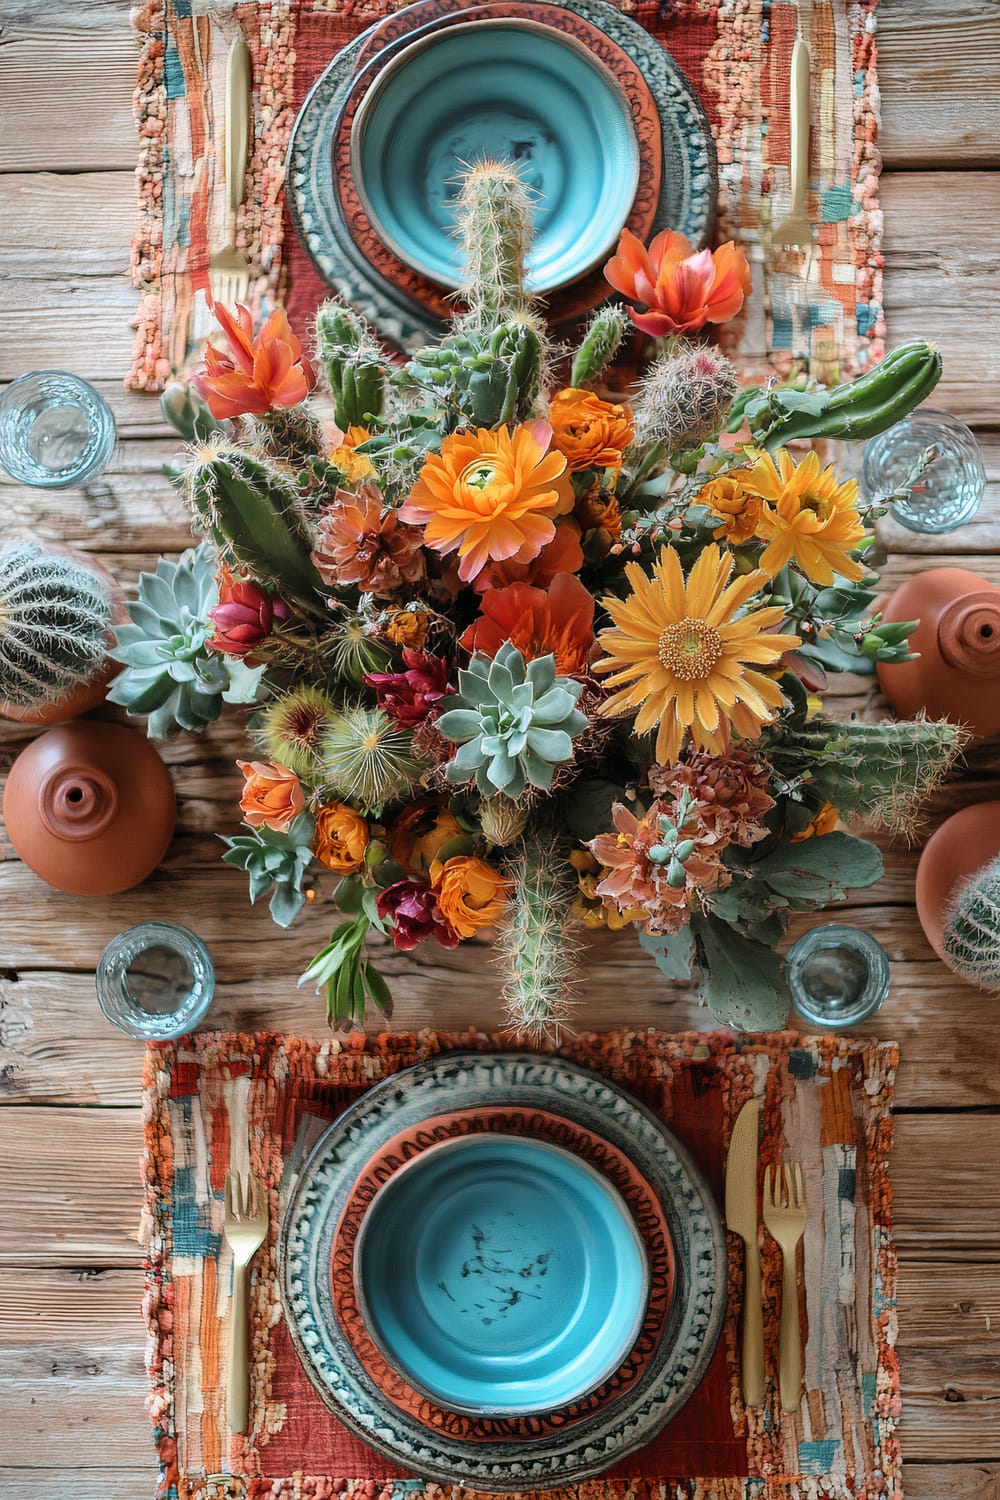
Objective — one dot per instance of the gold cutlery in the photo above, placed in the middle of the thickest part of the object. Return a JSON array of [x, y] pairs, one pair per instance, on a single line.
[[785, 1222], [228, 271], [795, 231], [741, 1218], [245, 1229]]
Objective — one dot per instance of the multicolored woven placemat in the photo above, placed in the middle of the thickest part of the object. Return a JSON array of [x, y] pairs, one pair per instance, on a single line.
[[826, 1103], [825, 312]]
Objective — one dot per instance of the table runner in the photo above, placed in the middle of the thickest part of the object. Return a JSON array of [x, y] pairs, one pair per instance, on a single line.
[[826, 1102], [826, 313]]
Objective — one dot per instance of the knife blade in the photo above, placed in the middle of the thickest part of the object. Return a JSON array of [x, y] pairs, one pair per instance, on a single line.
[[742, 1219]]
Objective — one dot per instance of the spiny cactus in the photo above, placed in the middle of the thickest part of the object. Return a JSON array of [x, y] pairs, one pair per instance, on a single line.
[[188, 413], [368, 760], [293, 435], [503, 820], [55, 616], [972, 928], [493, 221], [536, 943], [255, 516], [354, 363], [685, 397], [601, 342], [487, 379]]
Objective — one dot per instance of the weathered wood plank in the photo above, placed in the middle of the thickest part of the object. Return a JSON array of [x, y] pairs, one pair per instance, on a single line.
[[944, 1170], [959, 1481], [949, 1307]]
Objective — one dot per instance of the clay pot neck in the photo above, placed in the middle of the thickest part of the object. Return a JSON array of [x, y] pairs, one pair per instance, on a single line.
[[969, 633], [77, 801]]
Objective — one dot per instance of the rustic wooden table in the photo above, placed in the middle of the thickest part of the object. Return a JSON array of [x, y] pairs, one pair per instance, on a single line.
[[72, 1376]]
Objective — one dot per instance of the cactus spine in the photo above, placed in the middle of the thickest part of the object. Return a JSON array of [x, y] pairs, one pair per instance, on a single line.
[[292, 435], [685, 397], [972, 928], [54, 621], [601, 342], [354, 364], [494, 223], [536, 947], [253, 513]]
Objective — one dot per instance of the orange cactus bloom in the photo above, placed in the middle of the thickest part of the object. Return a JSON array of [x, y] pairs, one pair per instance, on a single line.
[[564, 554], [593, 434], [559, 620], [681, 288], [272, 795], [257, 375], [471, 894], [490, 496], [342, 838]]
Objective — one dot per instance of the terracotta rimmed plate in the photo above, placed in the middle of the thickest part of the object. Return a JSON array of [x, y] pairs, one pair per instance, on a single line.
[[535, 1124], [686, 198], [499, 1080]]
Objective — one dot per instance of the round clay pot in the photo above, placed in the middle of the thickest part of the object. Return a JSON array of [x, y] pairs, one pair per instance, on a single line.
[[90, 808], [91, 694], [957, 673], [960, 847]]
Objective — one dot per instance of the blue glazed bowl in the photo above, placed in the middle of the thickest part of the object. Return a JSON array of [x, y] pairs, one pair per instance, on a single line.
[[509, 89], [501, 1275]]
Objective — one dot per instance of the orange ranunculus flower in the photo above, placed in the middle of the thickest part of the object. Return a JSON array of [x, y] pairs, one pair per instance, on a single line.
[[825, 821], [737, 507], [490, 496], [471, 894], [421, 832], [272, 795], [408, 627], [353, 465], [593, 434], [559, 620], [597, 509], [258, 375], [563, 554], [342, 838], [681, 288]]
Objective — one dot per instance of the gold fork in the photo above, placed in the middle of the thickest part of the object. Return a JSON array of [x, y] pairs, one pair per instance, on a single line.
[[785, 1221], [228, 271], [245, 1229]]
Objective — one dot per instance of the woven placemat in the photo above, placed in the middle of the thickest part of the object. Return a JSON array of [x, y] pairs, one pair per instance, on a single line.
[[825, 312], [825, 1103]]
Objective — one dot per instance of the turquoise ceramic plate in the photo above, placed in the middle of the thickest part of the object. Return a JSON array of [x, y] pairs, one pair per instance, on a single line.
[[502, 1275], [636, 1411], [508, 89]]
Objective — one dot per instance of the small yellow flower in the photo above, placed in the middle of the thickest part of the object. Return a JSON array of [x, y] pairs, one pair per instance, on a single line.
[[809, 517], [587, 906], [354, 466]]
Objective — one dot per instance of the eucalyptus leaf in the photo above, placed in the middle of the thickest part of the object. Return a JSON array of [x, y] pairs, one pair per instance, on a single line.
[[673, 953], [742, 982]]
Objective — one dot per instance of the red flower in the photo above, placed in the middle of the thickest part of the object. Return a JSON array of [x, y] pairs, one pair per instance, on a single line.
[[410, 697], [257, 375], [411, 907], [682, 288], [243, 617], [559, 620]]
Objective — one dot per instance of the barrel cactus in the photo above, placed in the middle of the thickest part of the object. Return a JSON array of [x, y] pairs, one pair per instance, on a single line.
[[55, 615], [972, 928]]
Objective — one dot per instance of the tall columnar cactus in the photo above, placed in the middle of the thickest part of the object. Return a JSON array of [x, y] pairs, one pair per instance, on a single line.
[[601, 342], [972, 928], [536, 944], [355, 365], [493, 220], [252, 511], [55, 615], [685, 397]]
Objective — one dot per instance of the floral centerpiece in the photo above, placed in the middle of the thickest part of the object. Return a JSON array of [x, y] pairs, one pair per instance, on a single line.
[[527, 654]]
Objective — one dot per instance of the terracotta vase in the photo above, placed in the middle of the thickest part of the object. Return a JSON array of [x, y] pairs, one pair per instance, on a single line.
[[91, 694], [957, 673], [90, 808], [960, 847]]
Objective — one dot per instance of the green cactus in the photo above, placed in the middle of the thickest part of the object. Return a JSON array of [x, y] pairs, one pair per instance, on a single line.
[[494, 213], [55, 615], [536, 938], [514, 722], [275, 862], [188, 413], [972, 928], [354, 363], [254, 514], [170, 675], [685, 397], [601, 342], [487, 379], [293, 435]]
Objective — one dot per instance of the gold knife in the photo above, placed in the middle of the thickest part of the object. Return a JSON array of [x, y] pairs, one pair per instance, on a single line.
[[742, 1219]]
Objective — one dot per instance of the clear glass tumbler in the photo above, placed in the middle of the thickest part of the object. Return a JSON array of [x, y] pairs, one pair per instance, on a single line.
[[838, 975], [155, 981], [949, 493], [55, 430]]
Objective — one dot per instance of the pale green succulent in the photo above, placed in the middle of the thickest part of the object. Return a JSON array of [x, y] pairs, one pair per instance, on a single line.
[[275, 862], [514, 722]]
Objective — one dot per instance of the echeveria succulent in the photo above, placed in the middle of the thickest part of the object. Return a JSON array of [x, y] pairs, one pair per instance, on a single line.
[[513, 720], [278, 860]]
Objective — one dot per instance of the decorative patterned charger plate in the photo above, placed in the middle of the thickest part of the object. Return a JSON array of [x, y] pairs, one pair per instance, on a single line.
[[685, 200], [501, 1081], [539, 1125]]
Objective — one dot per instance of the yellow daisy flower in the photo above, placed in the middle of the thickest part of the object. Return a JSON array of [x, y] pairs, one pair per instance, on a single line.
[[686, 661], [808, 517]]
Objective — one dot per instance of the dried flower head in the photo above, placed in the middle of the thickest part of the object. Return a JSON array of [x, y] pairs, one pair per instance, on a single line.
[[361, 542]]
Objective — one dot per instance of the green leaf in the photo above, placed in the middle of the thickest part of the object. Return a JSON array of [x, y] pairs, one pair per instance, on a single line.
[[379, 991], [673, 954], [349, 895], [587, 809], [742, 982], [819, 870], [285, 904]]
